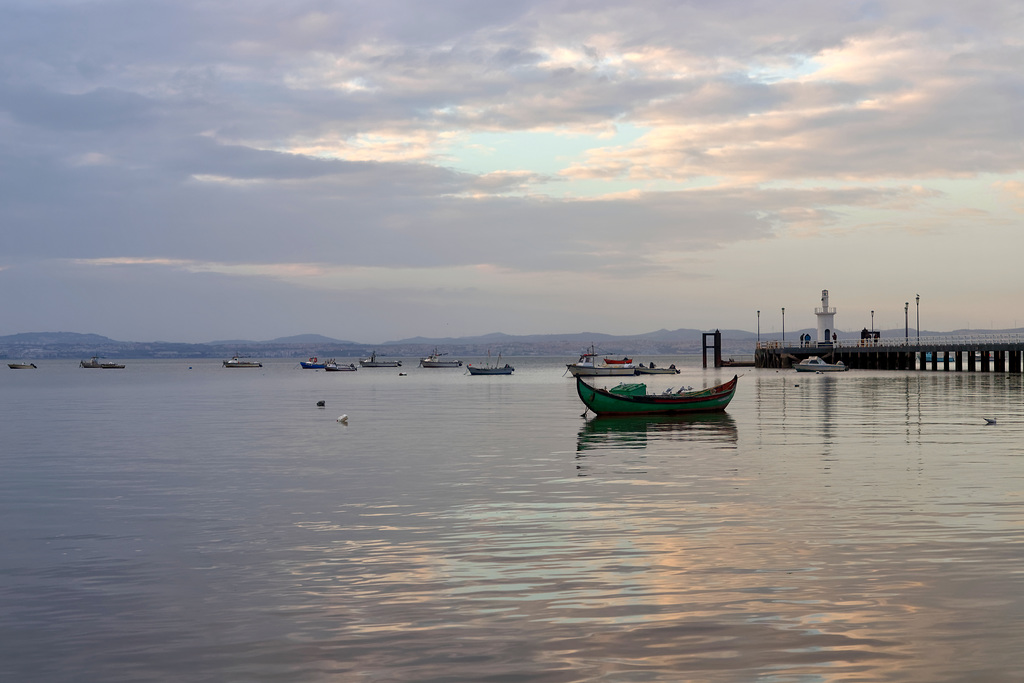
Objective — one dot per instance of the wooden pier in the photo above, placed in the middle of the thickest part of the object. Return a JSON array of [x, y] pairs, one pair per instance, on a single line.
[[981, 353]]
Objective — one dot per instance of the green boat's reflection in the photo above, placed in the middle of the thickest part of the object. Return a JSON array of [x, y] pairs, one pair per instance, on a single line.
[[636, 431]]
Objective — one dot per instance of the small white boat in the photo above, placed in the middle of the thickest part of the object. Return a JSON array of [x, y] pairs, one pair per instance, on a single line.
[[816, 364], [22, 366], [373, 362], [237, 362], [434, 360], [333, 366]]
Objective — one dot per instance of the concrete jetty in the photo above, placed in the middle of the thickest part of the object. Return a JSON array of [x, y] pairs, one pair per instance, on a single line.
[[970, 353], [976, 353]]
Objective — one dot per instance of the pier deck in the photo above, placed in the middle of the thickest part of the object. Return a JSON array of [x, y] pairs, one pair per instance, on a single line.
[[979, 353]]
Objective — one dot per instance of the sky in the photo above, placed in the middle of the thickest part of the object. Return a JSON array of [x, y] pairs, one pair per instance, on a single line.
[[194, 170]]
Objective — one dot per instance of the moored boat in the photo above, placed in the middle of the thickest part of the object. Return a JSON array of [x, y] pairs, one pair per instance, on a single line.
[[373, 362], [22, 366], [237, 362], [95, 362], [489, 369], [651, 370], [504, 370], [633, 399], [312, 364], [816, 364], [434, 360], [334, 366], [621, 361], [732, 363], [588, 366]]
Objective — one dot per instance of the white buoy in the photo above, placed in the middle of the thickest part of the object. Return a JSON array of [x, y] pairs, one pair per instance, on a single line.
[[343, 419]]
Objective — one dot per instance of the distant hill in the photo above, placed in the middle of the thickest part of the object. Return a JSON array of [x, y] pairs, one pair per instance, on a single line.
[[295, 339], [668, 336], [47, 338]]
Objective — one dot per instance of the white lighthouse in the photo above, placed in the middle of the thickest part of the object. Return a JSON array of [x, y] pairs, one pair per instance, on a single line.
[[826, 320]]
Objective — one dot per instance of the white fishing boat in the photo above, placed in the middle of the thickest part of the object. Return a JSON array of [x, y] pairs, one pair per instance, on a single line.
[[237, 362], [22, 366], [816, 364], [587, 366], [374, 362], [434, 360], [333, 366]]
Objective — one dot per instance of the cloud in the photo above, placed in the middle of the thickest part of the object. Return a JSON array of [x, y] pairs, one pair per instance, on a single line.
[[328, 145]]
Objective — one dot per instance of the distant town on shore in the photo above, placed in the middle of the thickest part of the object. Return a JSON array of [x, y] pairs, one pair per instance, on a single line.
[[39, 345]]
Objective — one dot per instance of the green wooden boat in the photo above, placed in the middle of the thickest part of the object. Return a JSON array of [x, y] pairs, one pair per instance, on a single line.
[[633, 399]]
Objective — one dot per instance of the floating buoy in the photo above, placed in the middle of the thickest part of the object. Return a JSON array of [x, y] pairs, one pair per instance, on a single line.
[[990, 420], [321, 404], [343, 419]]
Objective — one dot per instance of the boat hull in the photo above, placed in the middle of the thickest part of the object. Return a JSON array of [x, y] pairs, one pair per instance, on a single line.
[[657, 371], [820, 368], [490, 371], [341, 368], [604, 402], [22, 366]]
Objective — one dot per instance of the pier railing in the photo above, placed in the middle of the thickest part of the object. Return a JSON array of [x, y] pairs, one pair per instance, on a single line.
[[946, 341]]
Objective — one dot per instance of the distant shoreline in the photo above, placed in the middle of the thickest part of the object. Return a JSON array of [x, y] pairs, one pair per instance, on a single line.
[[42, 345]]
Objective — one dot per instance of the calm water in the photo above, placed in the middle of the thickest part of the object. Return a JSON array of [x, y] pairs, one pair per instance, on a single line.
[[162, 523]]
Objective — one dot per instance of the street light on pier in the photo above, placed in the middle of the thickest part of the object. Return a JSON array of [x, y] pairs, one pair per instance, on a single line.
[[918, 299], [783, 325], [906, 322], [759, 329], [872, 321]]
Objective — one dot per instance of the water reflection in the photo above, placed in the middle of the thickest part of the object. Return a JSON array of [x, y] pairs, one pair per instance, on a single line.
[[636, 432]]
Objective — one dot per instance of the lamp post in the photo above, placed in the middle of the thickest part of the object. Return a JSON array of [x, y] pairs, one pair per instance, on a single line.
[[783, 325], [872, 321], [917, 298], [906, 322], [759, 329]]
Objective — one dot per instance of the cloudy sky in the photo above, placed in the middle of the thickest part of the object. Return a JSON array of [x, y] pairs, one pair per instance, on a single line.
[[191, 170]]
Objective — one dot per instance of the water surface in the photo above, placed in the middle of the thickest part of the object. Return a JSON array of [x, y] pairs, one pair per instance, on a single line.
[[180, 521]]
